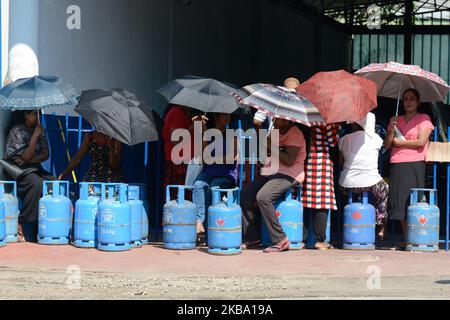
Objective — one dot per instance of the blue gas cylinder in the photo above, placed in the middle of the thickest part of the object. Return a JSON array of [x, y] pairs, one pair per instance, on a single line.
[[55, 219], [2, 225], [224, 223], [179, 221], [290, 215], [359, 224], [114, 220], [85, 221], [145, 210], [137, 215], [423, 222], [11, 203]]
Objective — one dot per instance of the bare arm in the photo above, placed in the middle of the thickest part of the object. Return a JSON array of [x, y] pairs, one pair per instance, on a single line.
[[420, 142], [388, 141], [28, 154], [115, 154], [41, 157], [77, 159]]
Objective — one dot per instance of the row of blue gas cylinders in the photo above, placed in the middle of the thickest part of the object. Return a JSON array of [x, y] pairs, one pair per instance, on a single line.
[[110, 217], [225, 226]]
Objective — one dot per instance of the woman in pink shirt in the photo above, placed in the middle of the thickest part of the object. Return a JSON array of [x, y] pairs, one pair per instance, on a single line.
[[282, 171], [407, 155]]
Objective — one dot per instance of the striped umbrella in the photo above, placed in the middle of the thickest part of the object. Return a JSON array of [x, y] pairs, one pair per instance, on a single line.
[[280, 102], [392, 78]]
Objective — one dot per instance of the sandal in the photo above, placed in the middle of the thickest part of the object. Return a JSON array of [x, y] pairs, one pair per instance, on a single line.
[[20, 234], [284, 247], [323, 246], [251, 245], [201, 240]]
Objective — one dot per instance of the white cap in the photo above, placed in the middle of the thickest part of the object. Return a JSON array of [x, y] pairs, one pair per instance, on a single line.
[[368, 124], [23, 63]]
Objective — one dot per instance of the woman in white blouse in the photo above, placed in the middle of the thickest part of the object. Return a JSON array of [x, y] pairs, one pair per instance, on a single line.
[[359, 152]]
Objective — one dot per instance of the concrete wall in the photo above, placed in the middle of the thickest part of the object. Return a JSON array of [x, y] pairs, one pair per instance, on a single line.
[[142, 44]]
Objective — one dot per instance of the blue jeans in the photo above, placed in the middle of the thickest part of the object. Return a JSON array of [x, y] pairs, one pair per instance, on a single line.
[[202, 194]]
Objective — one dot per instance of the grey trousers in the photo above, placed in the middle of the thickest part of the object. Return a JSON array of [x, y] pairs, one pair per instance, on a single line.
[[265, 191]]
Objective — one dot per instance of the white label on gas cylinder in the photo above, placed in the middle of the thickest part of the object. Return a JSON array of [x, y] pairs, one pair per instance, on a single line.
[[423, 233], [109, 231], [354, 230], [94, 213], [42, 211], [167, 218], [108, 215]]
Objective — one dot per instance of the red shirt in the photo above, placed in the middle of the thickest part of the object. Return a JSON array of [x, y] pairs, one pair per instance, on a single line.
[[176, 118]]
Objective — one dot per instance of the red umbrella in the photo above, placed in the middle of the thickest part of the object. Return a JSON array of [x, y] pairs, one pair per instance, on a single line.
[[340, 96]]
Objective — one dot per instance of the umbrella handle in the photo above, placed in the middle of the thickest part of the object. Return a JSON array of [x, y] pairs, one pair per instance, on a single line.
[[399, 93]]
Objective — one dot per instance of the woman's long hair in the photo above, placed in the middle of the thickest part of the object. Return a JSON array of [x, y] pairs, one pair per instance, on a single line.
[[17, 117]]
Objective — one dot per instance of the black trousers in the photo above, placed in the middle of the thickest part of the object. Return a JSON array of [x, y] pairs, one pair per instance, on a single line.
[[29, 190], [264, 191], [319, 224]]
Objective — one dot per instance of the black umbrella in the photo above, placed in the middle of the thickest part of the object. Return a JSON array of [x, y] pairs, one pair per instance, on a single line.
[[119, 114], [207, 95]]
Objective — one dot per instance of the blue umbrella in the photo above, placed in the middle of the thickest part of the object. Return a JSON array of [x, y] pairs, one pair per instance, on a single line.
[[37, 93]]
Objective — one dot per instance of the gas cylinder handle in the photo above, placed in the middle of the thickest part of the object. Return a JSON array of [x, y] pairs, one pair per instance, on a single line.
[[415, 195], [365, 197], [231, 198], [135, 191], [55, 188], [65, 186], [2, 187], [288, 195], [181, 189], [299, 195], [111, 186]]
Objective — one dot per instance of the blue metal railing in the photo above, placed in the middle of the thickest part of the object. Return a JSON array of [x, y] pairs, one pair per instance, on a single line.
[[60, 130]]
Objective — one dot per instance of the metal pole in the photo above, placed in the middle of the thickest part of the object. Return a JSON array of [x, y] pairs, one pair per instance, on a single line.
[[447, 222], [435, 164], [408, 31]]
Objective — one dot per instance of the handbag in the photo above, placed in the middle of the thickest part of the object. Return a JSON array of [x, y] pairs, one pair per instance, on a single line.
[[193, 170], [16, 172]]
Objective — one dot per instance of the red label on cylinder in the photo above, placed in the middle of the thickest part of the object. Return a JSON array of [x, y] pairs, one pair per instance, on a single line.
[[357, 215]]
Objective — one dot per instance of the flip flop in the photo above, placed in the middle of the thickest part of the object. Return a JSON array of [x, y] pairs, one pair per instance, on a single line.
[[277, 249]]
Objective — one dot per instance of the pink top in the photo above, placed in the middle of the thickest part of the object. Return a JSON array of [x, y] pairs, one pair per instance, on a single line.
[[411, 132], [293, 138]]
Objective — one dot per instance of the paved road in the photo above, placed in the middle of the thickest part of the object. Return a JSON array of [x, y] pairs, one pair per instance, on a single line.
[[33, 271]]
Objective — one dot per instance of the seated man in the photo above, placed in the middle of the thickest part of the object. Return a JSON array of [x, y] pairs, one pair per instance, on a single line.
[[273, 183]]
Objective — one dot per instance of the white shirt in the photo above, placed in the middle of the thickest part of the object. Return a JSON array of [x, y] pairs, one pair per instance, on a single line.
[[261, 116], [360, 160]]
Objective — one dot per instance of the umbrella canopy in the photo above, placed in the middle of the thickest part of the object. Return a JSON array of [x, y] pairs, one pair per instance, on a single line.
[[340, 96], [119, 114], [207, 95], [281, 103], [37, 92], [393, 77]]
